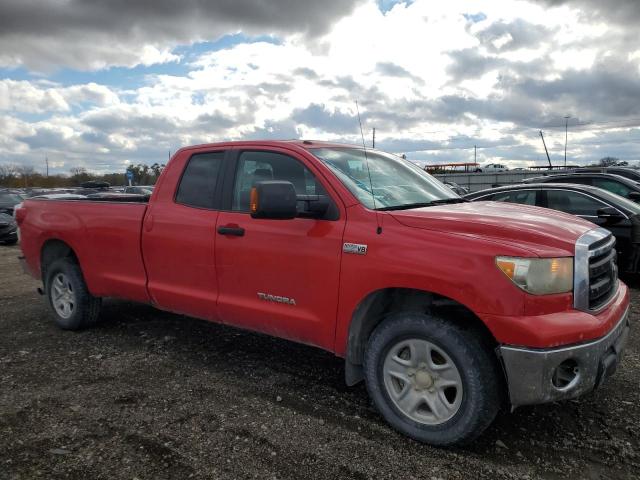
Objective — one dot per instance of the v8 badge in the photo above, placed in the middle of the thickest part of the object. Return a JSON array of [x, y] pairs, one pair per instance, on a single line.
[[355, 248]]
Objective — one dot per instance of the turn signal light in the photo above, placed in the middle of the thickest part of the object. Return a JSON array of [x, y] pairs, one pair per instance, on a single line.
[[539, 276], [253, 200]]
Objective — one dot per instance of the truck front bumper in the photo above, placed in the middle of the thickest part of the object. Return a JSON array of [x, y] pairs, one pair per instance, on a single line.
[[546, 375]]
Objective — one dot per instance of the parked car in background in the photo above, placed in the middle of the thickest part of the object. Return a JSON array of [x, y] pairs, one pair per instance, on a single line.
[[60, 196], [92, 186], [492, 167], [118, 197], [8, 200], [139, 189], [612, 183], [630, 173], [459, 189], [8, 230], [615, 213]]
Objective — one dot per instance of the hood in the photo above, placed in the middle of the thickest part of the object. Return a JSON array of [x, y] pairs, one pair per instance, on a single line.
[[541, 231]]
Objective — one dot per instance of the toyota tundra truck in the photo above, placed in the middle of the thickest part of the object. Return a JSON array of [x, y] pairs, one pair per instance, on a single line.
[[448, 310]]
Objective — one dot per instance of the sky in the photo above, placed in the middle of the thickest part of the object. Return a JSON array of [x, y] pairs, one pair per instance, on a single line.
[[102, 84]]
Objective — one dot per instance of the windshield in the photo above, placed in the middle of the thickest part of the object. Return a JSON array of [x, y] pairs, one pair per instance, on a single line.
[[396, 182], [618, 200]]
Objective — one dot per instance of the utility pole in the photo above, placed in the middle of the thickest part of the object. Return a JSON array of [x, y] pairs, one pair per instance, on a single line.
[[545, 149], [475, 154], [46, 160], [566, 132], [374, 137]]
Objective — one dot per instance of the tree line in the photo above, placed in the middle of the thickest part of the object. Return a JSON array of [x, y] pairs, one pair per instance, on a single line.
[[25, 176]]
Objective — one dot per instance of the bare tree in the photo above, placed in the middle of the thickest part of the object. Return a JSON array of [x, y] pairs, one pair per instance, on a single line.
[[609, 161], [6, 172], [79, 175]]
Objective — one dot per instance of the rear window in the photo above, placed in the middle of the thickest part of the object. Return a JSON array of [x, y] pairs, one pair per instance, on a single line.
[[199, 180]]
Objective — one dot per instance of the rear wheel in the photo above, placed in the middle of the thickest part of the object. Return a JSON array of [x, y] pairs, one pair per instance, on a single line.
[[432, 380], [72, 305]]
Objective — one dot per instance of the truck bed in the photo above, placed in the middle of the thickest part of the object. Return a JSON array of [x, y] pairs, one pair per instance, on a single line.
[[105, 234]]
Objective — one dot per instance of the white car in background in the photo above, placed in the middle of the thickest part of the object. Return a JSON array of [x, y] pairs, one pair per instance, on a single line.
[[492, 167]]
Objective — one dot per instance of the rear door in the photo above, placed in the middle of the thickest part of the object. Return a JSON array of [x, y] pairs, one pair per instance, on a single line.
[[279, 276], [178, 237]]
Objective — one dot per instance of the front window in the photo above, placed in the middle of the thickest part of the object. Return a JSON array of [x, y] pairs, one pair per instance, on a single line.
[[573, 203], [387, 182]]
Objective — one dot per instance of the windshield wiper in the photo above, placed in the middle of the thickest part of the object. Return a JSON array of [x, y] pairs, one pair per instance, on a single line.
[[408, 206], [445, 201]]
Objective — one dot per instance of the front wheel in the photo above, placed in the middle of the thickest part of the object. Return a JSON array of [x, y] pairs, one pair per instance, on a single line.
[[432, 380], [72, 305]]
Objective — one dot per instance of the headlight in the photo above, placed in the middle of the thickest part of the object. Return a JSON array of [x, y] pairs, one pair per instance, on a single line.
[[539, 276]]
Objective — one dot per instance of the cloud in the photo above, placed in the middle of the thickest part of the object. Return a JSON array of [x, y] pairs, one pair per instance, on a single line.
[[503, 36], [332, 122], [625, 12], [433, 78], [94, 34], [40, 97]]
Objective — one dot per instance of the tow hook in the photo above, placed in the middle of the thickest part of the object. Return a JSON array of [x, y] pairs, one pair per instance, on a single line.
[[40, 290]]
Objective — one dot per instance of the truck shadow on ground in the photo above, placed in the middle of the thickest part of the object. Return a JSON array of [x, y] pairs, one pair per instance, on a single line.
[[310, 381]]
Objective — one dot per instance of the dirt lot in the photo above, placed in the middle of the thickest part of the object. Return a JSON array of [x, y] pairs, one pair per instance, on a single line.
[[150, 395]]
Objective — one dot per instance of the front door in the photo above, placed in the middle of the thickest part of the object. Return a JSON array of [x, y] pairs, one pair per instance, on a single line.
[[279, 276]]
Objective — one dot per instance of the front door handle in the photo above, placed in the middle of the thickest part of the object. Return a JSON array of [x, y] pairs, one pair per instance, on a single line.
[[235, 231]]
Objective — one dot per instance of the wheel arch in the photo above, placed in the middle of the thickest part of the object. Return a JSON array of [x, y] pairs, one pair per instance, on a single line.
[[52, 250], [378, 305]]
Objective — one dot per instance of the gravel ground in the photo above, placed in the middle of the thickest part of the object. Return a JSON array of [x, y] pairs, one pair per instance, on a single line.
[[151, 395]]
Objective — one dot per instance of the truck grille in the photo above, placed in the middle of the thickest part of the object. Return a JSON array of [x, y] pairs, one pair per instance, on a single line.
[[595, 270], [603, 272]]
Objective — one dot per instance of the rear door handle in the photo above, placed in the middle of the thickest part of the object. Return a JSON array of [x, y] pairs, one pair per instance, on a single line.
[[235, 231]]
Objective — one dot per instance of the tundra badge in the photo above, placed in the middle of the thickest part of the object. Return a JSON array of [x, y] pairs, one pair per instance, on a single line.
[[276, 298], [356, 248]]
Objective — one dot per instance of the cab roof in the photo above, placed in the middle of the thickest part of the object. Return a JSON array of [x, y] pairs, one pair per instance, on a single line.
[[301, 143]]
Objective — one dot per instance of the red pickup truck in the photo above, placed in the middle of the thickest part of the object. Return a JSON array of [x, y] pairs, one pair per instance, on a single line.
[[448, 310]]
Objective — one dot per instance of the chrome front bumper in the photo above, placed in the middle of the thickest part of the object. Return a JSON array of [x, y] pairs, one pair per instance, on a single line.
[[533, 376]]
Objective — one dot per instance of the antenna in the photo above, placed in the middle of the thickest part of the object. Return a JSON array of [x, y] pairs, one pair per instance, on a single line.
[[366, 158]]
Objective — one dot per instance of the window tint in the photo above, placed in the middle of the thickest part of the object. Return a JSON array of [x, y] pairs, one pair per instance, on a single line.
[[573, 202], [199, 180], [256, 167], [524, 197], [612, 186]]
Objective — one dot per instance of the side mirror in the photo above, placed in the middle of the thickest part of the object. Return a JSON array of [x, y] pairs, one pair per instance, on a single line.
[[609, 213], [274, 199], [634, 196]]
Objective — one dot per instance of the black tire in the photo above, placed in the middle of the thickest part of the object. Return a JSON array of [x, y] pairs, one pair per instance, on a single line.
[[85, 307], [10, 242], [475, 362]]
